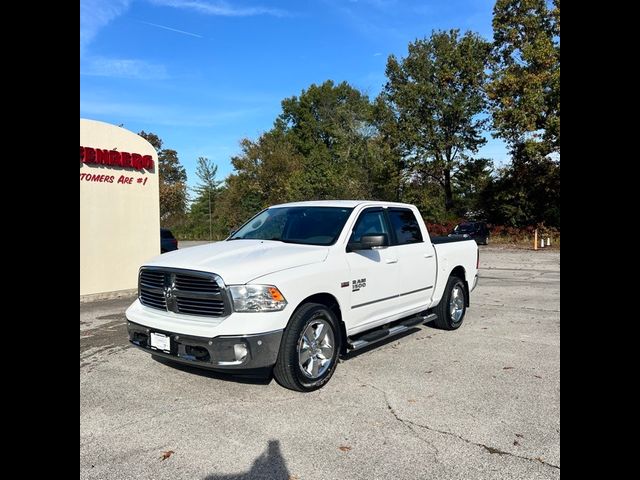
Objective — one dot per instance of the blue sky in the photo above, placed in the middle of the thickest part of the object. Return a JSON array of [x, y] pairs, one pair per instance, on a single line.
[[203, 74]]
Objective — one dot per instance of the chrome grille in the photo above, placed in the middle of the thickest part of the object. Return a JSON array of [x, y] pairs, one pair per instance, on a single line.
[[183, 291], [196, 284], [151, 289]]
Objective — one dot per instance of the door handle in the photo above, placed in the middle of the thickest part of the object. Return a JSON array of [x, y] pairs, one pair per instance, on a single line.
[[428, 255], [391, 260]]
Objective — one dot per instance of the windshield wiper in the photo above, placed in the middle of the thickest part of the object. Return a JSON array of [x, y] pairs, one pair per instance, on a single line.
[[275, 239]]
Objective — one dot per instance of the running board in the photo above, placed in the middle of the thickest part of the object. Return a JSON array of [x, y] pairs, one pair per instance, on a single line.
[[378, 335]]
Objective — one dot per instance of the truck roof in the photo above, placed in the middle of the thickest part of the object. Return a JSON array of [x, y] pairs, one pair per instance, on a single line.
[[340, 203]]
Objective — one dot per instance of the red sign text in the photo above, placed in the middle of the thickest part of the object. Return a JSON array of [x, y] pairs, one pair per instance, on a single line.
[[115, 159]]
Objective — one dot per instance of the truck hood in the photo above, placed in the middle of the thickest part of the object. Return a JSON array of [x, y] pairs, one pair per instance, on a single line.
[[241, 261]]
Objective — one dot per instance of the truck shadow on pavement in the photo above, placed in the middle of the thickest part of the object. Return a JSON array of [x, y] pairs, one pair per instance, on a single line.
[[269, 465], [256, 377]]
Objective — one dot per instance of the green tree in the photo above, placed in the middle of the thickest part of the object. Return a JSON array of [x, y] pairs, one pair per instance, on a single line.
[[525, 85], [437, 96], [262, 177], [202, 208], [525, 104], [324, 145], [206, 171], [329, 127], [473, 177], [524, 194], [388, 169], [173, 182]]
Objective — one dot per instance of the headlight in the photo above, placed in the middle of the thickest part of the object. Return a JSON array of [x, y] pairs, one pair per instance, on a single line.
[[257, 298]]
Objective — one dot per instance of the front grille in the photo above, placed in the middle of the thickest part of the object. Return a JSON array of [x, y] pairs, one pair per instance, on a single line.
[[182, 291], [151, 289]]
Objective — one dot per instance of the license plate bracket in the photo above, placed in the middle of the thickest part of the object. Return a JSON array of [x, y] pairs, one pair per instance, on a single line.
[[160, 341]]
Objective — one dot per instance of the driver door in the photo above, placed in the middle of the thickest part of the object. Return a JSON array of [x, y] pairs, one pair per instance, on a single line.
[[374, 272]]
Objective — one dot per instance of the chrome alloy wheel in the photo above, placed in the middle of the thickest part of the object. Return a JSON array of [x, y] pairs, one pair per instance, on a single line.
[[456, 303], [315, 348]]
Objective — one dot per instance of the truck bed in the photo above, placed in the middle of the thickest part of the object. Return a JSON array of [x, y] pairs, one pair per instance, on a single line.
[[450, 252], [439, 240]]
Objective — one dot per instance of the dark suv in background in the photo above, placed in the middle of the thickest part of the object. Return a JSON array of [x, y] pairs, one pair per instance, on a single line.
[[476, 230], [168, 242]]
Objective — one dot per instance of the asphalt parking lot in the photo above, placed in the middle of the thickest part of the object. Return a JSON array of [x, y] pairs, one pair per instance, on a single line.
[[481, 402]]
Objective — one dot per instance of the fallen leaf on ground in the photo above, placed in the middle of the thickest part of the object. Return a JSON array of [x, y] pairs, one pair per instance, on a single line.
[[411, 400], [537, 376], [519, 435], [507, 368], [294, 477], [167, 454], [428, 371], [344, 448], [516, 443]]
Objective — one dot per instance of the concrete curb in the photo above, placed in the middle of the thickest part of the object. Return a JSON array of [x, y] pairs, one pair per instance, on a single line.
[[108, 295]]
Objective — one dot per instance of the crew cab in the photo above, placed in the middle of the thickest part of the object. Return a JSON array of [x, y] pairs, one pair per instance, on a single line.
[[298, 286]]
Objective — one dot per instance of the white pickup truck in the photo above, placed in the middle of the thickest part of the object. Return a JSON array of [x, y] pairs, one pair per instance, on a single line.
[[299, 285]]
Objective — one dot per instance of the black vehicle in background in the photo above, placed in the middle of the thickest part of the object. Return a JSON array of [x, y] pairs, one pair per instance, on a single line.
[[168, 242], [476, 230]]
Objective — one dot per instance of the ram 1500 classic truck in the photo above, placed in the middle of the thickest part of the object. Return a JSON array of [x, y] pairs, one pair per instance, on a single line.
[[300, 284]]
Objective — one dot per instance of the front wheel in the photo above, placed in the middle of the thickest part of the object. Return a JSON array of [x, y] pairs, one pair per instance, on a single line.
[[309, 349], [452, 306]]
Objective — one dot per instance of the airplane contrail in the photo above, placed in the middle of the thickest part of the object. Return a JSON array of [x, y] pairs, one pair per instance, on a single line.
[[171, 29]]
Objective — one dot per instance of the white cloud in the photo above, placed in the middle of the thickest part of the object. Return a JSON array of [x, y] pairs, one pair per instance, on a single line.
[[96, 14], [221, 8], [153, 114], [123, 68]]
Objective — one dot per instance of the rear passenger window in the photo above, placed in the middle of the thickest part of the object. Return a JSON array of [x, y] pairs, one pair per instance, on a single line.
[[406, 226]]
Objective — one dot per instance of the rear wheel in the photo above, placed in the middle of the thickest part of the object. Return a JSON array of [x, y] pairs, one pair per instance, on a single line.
[[452, 306], [309, 349]]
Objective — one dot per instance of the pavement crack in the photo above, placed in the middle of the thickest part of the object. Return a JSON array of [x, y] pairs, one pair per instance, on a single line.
[[491, 450], [407, 423]]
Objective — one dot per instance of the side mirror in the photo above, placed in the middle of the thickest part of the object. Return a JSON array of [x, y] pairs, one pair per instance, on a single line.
[[369, 242]]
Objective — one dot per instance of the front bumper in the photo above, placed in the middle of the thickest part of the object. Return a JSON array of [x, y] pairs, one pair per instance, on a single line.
[[215, 353]]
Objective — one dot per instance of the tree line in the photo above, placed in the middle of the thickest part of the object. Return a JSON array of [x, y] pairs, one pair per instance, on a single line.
[[416, 142]]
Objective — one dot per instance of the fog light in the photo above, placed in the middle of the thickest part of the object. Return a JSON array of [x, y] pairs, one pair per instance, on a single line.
[[240, 351]]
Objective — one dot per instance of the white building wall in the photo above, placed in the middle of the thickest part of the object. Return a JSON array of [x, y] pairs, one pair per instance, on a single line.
[[119, 221]]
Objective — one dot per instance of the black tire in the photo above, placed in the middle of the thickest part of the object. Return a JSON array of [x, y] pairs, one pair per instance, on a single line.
[[287, 370], [446, 320]]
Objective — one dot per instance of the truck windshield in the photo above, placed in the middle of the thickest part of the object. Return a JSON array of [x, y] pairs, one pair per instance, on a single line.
[[305, 225]]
